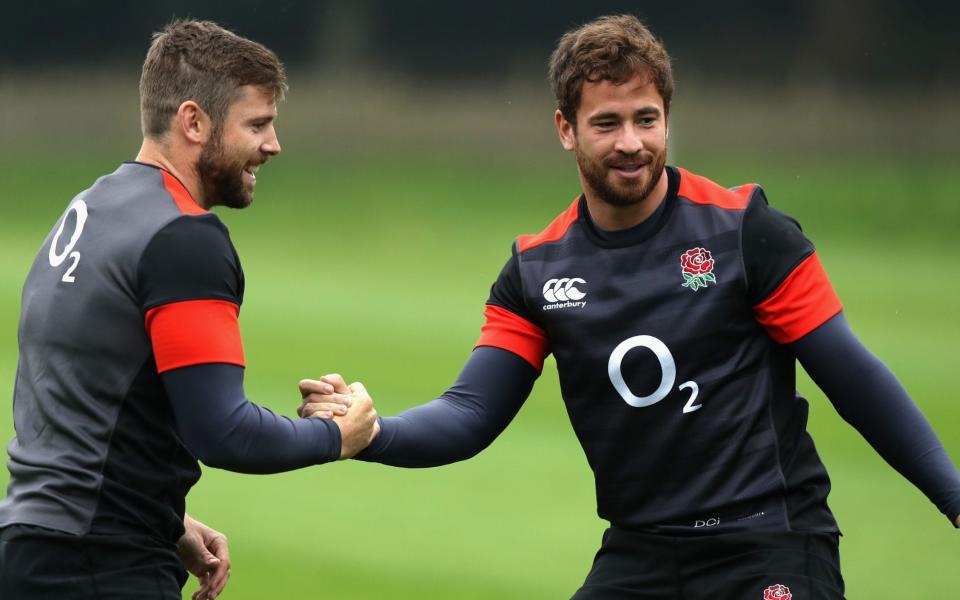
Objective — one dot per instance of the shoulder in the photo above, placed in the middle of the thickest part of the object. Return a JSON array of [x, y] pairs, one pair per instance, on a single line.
[[205, 226], [191, 235], [700, 190], [556, 230], [190, 257]]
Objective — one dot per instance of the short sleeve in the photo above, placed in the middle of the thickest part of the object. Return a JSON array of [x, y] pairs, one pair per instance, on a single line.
[[508, 324], [787, 285], [190, 287]]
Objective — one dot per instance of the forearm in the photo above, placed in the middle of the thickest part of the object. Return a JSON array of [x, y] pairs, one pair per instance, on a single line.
[[869, 397], [463, 421], [225, 430]]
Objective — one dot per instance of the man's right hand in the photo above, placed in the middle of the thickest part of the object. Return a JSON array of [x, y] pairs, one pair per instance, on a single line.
[[358, 426]]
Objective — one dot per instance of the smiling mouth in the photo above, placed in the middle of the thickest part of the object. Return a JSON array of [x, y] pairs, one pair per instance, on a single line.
[[252, 172]]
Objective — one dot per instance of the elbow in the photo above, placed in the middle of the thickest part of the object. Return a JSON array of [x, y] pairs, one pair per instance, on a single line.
[[476, 448], [217, 459], [471, 446], [437, 455], [217, 454]]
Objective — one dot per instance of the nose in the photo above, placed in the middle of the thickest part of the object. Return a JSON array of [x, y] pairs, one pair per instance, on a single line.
[[628, 142], [271, 145]]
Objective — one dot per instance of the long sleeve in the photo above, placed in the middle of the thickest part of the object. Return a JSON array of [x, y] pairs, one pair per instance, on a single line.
[[223, 429], [464, 420], [869, 397]]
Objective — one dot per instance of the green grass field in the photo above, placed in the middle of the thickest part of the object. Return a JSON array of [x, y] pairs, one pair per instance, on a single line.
[[380, 271]]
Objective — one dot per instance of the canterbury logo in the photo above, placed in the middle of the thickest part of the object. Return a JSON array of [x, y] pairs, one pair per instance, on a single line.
[[563, 290]]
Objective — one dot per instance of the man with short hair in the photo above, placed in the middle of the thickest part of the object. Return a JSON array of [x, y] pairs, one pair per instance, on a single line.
[[131, 363], [676, 310]]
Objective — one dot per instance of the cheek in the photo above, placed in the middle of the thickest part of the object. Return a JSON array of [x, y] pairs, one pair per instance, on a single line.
[[657, 141], [595, 148]]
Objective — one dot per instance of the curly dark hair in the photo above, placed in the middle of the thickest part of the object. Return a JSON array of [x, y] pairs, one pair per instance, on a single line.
[[611, 48]]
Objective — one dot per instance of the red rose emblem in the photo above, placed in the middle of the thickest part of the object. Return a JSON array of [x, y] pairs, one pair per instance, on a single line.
[[697, 261], [696, 266], [777, 592]]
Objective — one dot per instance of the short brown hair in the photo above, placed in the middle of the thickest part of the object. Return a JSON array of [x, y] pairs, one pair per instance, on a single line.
[[203, 62], [611, 48]]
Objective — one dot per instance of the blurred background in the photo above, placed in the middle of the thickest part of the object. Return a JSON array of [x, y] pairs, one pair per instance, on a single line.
[[417, 143]]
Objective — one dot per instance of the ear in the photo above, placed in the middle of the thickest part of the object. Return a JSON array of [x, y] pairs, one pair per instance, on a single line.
[[566, 130], [192, 122]]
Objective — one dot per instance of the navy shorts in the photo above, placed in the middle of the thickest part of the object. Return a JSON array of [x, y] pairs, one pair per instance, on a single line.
[[41, 564], [734, 566]]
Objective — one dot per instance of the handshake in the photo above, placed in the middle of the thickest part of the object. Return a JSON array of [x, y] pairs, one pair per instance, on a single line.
[[349, 406]]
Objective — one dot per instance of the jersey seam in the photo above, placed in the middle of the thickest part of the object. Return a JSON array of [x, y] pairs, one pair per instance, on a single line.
[[109, 445], [523, 285], [743, 254], [776, 445], [740, 247], [148, 307]]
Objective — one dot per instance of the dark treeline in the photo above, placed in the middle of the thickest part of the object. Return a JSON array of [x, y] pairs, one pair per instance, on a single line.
[[862, 42]]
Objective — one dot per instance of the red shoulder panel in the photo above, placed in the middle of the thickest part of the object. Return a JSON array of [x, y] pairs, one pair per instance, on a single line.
[[513, 333], [554, 231], [804, 301], [701, 190], [195, 332], [181, 197]]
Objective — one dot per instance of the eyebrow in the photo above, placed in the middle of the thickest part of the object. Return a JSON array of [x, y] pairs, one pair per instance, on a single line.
[[262, 119], [607, 116]]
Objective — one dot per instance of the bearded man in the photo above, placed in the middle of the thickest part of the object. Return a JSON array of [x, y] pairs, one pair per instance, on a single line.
[[676, 310], [131, 364]]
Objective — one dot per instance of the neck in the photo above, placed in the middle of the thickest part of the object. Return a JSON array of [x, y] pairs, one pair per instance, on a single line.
[[159, 154], [612, 217]]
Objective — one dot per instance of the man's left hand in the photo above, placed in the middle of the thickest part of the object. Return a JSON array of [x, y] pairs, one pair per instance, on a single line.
[[204, 553]]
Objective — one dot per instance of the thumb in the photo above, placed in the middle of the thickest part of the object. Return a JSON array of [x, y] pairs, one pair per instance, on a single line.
[[209, 559], [358, 389]]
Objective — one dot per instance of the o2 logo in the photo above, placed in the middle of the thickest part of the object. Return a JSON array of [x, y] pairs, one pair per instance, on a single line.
[[56, 258], [668, 376]]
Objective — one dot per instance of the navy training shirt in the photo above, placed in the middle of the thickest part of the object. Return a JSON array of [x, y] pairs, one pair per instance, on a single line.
[[670, 341]]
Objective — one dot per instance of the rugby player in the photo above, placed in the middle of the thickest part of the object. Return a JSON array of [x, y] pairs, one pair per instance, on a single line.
[[131, 364], [676, 310]]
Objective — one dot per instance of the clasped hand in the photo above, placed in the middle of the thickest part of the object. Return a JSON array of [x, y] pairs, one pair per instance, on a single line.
[[349, 406]]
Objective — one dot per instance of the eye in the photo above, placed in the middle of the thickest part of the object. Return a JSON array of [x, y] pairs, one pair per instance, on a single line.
[[259, 126], [647, 121], [605, 125]]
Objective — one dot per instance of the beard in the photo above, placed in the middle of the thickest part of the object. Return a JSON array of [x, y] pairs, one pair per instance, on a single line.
[[596, 173], [222, 176]]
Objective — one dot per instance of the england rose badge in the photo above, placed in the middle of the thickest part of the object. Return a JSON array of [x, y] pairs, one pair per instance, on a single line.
[[777, 592], [697, 268]]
